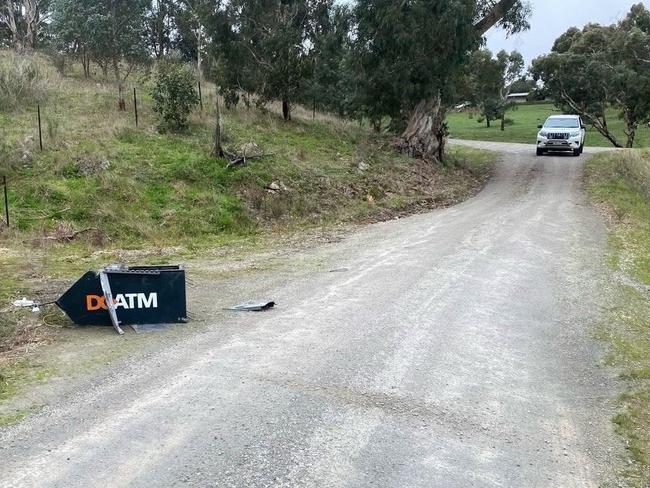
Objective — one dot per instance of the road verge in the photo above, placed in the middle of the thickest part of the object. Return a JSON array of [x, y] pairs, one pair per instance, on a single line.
[[34, 348], [619, 185]]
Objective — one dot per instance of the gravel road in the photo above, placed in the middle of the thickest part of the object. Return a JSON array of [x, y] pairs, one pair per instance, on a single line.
[[449, 349]]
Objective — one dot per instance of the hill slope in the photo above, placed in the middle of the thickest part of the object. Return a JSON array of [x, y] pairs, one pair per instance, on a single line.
[[101, 184]]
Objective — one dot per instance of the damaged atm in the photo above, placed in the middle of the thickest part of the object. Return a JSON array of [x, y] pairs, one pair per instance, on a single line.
[[127, 296]]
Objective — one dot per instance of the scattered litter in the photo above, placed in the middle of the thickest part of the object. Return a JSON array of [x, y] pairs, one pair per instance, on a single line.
[[252, 307], [24, 303]]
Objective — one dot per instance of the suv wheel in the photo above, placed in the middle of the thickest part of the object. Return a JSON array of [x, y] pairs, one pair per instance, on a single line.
[[577, 152], [582, 148], [540, 152]]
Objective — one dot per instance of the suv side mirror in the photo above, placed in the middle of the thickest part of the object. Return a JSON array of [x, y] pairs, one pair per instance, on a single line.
[[583, 126], [540, 126]]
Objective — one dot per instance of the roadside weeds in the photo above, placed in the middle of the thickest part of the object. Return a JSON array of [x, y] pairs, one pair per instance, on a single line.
[[618, 185]]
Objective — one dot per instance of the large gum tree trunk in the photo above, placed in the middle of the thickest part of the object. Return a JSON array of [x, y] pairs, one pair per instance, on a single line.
[[425, 135], [286, 109], [632, 126], [11, 24], [121, 102]]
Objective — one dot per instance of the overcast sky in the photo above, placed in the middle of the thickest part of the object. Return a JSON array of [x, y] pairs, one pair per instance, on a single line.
[[551, 18]]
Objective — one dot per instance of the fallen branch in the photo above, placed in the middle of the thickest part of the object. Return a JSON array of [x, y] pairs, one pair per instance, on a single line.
[[235, 160], [72, 236], [47, 217]]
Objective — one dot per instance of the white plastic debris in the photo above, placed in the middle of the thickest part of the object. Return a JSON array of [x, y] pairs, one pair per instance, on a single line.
[[24, 303]]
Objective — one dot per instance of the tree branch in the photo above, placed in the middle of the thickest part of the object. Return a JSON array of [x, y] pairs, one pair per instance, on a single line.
[[495, 14]]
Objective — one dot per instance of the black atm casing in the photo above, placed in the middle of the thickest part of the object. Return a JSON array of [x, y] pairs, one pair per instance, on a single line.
[[168, 282]]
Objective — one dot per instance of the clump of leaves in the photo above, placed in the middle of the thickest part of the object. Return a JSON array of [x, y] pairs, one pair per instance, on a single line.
[[174, 95]]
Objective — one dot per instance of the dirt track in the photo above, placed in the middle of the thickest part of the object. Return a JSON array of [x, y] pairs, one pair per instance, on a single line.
[[450, 349]]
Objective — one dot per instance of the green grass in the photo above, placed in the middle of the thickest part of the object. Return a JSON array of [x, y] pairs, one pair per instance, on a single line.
[[619, 182], [20, 372], [137, 186], [523, 127], [12, 418]]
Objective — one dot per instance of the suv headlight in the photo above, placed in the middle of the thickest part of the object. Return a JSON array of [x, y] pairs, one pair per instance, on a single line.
[[543, 133], [575, 134]]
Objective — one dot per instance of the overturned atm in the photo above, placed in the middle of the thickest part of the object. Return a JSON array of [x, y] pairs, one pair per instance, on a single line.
[[120, 295]]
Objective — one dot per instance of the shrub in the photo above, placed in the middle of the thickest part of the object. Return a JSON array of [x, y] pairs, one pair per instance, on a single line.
[[174, 95], [22, 80]]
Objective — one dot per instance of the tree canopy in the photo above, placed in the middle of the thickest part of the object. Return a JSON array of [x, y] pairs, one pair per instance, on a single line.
[[375, 60]]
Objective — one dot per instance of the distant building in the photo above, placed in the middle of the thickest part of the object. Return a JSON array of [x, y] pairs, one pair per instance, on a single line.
[[518, 97]]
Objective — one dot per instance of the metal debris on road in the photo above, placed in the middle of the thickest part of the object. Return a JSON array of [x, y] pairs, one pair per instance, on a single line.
[[252, 307]]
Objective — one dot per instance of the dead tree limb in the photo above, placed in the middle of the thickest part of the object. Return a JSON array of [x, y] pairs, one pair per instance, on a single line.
[[217, 150], [72, 236], [241, 160]]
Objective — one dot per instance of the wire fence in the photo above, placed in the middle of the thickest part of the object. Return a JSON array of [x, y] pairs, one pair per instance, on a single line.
[[6, 195], [10, 177]]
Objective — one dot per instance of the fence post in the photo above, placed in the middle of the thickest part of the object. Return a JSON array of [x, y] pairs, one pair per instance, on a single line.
[[135, 105], [4, 182], [40, 130], [200, 96]]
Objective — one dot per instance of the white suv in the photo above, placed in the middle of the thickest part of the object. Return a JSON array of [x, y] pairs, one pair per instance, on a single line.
[[562, 133]]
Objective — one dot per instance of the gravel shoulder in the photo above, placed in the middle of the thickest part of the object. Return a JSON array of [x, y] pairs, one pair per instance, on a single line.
[[448, 349]]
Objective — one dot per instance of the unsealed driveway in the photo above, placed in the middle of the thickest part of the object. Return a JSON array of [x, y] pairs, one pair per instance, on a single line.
[[450, 349]]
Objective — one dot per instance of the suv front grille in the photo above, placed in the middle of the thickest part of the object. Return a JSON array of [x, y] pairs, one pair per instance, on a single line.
[[558, 135]]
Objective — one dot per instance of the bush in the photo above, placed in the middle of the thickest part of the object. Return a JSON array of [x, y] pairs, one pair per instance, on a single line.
[[22, 80], [174, 95]]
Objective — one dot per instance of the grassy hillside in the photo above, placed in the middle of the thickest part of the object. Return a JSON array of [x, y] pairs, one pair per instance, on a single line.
[[523, 126], [136, 185], [620, 184], [100, 183]]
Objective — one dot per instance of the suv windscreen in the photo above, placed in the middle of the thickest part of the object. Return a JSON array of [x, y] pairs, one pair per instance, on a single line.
[[568, 123]]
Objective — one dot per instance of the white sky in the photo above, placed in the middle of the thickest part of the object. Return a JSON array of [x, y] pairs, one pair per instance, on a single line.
[[551, 18]]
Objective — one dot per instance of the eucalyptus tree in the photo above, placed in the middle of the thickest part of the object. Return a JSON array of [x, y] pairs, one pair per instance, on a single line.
[[160, 25], [23, 20], [408, 54], [112, 32], [268, 48], [329, 40], [72, 32], [10, 18], [484, 84]]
